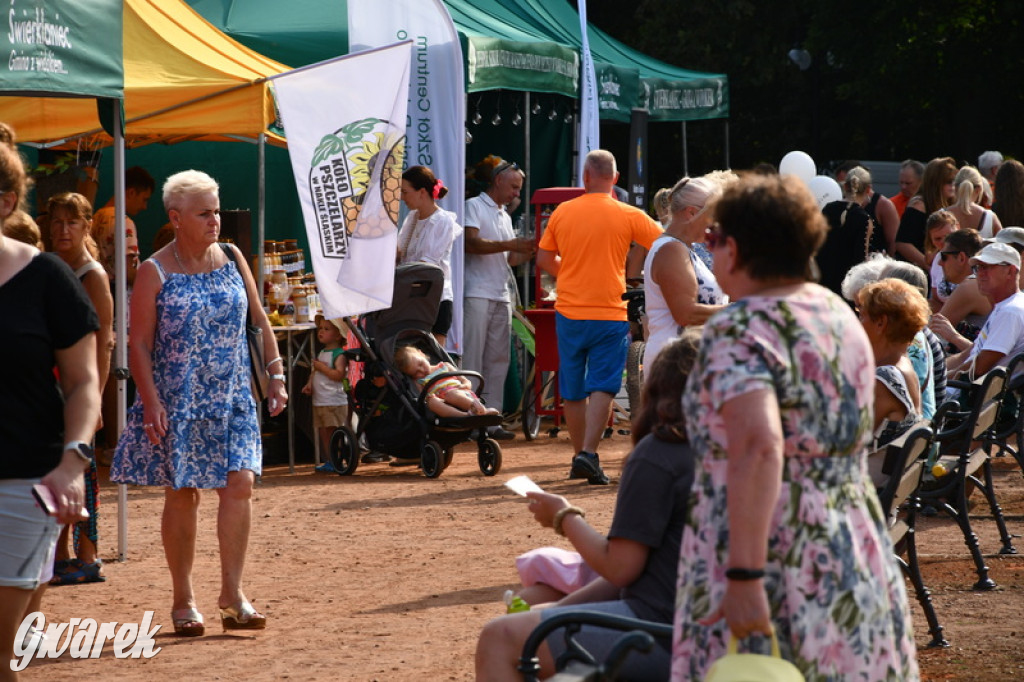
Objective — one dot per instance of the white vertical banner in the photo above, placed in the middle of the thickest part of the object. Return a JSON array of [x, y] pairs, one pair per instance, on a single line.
[[436, 121], [589, 105], [345, 120]]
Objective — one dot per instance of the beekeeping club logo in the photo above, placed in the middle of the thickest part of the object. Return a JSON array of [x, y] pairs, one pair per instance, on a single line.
[[340, 178]]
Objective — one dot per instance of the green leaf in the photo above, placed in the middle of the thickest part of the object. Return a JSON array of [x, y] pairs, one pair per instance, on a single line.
[[329, 146], [355, 131]]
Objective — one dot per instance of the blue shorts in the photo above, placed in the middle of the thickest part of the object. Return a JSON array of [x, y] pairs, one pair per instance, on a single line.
[[653, 666], [591, 356]]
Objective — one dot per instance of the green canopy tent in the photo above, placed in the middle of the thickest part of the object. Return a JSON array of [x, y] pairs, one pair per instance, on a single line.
[[521, 57], [500, 59], [628, 79], [73, 49]]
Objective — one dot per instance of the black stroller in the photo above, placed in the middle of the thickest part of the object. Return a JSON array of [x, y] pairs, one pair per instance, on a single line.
[[391, 408]]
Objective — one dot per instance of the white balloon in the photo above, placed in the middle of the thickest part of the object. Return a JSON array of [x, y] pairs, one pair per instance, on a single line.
[[799, 164], [825, 190]]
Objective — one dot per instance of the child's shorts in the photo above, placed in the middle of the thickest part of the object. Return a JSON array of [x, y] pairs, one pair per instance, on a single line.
[[329, 415]]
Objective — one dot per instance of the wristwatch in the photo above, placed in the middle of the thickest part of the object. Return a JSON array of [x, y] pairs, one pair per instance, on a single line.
[[82, 449]]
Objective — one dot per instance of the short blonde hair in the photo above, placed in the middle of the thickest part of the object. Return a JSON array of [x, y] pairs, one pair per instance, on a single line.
[[186, 183], [601, 163]]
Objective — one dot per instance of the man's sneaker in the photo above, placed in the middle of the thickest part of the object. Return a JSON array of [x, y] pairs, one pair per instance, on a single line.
[[588, 466], [500, 433]]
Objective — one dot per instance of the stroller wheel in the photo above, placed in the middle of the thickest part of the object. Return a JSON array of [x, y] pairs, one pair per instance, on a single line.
[[344, 451], [489, 457], [449, 454], [432, 459]]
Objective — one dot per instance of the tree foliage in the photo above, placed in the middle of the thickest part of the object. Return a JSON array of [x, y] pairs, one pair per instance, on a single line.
[[888, 80]]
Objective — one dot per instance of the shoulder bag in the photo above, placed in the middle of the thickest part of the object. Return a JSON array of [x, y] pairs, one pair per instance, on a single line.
[[254, 336]]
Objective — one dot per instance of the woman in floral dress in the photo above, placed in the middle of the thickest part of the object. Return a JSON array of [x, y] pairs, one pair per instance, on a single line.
[[785, 530], [194, 423]]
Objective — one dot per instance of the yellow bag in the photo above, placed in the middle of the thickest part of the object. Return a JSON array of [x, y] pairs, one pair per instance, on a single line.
[[734, 667]]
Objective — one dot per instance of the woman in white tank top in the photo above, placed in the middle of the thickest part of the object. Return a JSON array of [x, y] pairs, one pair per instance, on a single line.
[[679, 288]]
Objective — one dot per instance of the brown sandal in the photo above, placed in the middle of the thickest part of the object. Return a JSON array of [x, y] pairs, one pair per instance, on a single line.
[[188, 622], [242, 616]]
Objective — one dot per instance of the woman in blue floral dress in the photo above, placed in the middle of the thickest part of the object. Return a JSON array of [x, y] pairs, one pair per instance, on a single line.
[[194, 423], [785, 530]]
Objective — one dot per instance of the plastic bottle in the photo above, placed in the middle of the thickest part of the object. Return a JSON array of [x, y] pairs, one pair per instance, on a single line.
[[515, 604]]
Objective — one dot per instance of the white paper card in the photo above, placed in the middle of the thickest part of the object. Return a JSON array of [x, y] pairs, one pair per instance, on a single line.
[[522, 485]]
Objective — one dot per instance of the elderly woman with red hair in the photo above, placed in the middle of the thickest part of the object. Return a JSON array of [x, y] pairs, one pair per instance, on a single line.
[[892, 313]]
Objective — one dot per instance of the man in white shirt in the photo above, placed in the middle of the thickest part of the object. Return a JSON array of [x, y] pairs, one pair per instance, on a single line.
[[1002, 337], [491, 247]]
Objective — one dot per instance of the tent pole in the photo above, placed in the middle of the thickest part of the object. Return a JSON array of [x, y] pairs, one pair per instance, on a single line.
[[727, 143], [261, 199], [528, 166], [686, 155], [577, 180], [120, 319], [261, 155]]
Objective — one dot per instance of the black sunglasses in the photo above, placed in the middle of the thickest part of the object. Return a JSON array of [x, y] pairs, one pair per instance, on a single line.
[[943, 254]]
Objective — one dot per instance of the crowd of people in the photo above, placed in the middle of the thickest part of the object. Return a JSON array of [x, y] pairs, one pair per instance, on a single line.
[[744, 508], [790, 388]]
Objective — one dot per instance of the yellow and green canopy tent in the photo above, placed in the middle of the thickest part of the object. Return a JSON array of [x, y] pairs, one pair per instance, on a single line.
[[182, 79]]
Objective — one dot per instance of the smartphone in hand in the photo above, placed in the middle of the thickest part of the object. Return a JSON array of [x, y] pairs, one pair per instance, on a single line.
[[48, 503]]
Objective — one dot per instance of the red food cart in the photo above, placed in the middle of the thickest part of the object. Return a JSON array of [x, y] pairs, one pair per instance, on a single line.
[[541, 390]]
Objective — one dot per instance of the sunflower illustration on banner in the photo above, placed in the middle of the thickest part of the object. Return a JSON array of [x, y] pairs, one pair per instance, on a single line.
[[345, 123]]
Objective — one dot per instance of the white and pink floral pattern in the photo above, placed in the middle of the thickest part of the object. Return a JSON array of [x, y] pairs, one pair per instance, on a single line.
[[837, 595]]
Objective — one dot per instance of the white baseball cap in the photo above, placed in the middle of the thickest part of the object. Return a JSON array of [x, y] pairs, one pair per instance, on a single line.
[[997, 253], [1010, 235]]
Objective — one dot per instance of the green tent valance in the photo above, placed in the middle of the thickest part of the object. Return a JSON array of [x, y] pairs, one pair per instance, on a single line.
[[618, 90], [689, 100], [62, 48], [495, 63], [670, 93]]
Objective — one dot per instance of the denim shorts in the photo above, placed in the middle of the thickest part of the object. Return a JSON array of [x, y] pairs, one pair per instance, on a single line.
[[591, 356], [28, 537], [638, 666]]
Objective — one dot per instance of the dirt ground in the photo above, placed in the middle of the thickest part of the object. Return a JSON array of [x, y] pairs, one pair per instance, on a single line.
[[386, 575]]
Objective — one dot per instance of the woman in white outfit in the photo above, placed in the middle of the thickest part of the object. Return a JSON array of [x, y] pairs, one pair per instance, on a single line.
[[427, 236], [679, 288]]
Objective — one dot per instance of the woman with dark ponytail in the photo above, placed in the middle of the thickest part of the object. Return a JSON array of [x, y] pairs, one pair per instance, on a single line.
[[428, 234]]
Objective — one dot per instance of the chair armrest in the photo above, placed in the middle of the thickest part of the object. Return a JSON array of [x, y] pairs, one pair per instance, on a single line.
[[572, 621]]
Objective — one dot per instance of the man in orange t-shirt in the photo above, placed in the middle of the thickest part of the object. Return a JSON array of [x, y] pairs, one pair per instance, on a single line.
[[910, 181], [584, 247]]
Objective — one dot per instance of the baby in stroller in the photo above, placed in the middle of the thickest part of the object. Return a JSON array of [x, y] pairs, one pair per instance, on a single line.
[[397, 415], [450, 397]]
